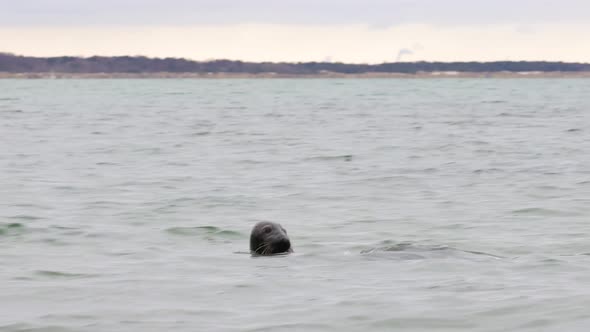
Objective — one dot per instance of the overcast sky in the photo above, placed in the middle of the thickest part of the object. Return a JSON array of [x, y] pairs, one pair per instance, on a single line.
[[279, 30]]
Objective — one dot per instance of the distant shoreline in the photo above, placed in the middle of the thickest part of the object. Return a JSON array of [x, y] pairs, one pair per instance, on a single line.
[[167, 75], [95, 67]]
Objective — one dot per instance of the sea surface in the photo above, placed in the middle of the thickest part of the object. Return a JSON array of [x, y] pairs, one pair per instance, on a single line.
[[412, 205]]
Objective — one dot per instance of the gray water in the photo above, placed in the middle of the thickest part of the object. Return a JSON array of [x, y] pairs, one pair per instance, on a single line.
[[412, 205]]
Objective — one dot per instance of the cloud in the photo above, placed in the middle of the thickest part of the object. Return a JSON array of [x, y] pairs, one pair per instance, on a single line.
[[374, 13]]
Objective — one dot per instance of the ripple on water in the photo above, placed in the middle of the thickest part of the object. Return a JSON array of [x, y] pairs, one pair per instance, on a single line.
[[12, 111], [25, 217], [10, 229], [424, 322], [31, 328], [536, 211], [209, 232], [345, 157], [410, 251], [61, 275]]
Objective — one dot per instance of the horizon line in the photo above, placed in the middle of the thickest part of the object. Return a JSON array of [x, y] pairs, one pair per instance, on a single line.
[[6, 53]]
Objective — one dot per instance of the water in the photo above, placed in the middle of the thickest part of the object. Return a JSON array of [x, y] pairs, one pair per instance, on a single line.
[[414, 205]]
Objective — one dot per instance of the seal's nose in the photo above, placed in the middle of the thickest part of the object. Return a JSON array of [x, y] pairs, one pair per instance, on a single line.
[[283, 246]]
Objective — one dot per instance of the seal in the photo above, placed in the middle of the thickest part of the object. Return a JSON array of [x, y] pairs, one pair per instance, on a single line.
[[269, 238]]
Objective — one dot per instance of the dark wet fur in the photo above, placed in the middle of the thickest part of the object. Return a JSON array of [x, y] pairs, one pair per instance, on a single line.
[[268, 238]]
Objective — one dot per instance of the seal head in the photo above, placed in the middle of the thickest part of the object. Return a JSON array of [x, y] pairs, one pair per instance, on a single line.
[[269, 238]]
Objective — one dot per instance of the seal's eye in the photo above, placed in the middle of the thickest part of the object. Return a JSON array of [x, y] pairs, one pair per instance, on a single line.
[[267, 229]]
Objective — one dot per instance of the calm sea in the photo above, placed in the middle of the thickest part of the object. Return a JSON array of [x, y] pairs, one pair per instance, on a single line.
[[412, 205]]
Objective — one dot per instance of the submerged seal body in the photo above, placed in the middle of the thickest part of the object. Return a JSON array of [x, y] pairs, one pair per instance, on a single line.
[[269, 238]]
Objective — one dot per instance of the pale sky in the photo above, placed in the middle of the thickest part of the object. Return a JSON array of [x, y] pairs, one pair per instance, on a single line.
[[368, 31]]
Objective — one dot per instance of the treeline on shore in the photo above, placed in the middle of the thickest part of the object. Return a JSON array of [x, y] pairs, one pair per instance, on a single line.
[[10, 63]]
